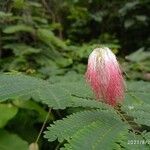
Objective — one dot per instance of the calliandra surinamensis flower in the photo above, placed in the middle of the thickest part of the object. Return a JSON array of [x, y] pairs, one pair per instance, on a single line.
[[105, 77]]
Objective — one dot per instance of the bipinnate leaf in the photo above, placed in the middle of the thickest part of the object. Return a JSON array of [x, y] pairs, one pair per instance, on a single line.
[[93, 130], [89, 129], [136, 103], [57, 96], [66, 128]]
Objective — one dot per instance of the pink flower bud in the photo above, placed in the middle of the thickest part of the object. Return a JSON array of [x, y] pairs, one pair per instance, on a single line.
[[105, 77]]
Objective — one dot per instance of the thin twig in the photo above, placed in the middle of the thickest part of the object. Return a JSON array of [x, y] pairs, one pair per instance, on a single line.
[[42, 128]]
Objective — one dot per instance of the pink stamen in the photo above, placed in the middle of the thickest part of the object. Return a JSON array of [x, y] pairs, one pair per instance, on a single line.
[[105, 77]]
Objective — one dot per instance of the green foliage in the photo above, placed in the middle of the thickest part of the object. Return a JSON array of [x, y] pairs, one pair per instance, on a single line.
[[137, 102], [100, 122], [33, 32], [31, 36], [58, 96], [103, 136], [18, 28], [138, 56], [32, 105], [140, 114], [52, 40], [76, 123], [90, 135], [135, 18], [22, 50], [138, 62], [4, 15], [7, 112], [11, 141]]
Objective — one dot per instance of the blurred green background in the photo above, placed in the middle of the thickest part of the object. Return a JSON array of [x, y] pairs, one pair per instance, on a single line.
[[48, 38], [52, 37]]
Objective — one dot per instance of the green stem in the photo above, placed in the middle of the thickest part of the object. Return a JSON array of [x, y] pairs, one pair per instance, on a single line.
[[43, 126]]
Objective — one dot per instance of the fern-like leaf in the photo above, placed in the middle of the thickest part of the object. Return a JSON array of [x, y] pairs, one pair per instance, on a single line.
[[137, 102], [94, 130], [137, 93], [66, 128], [56, 96], [98, 135], [140, 113]]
